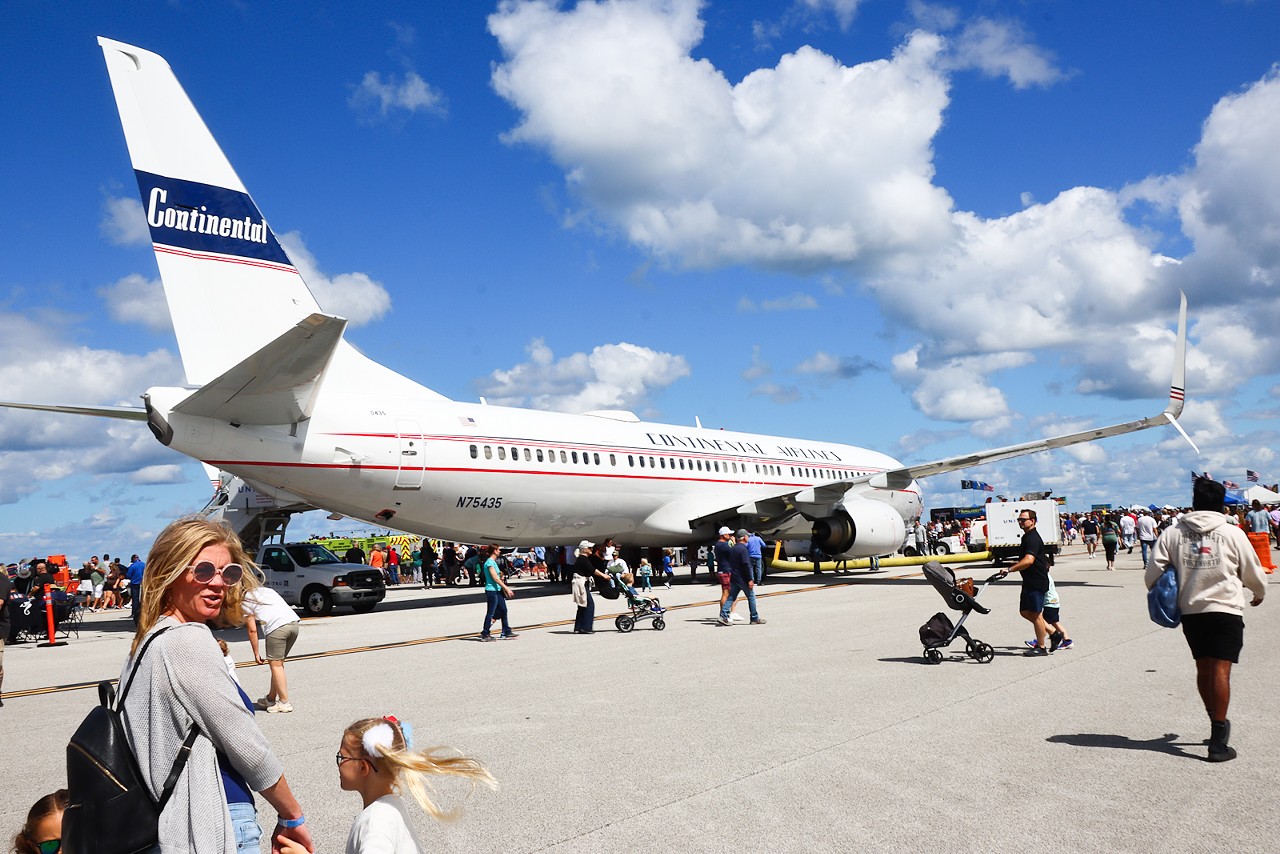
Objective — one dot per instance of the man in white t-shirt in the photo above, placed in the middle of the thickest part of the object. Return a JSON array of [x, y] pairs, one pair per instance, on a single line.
[[1146, 535], [280, 628]]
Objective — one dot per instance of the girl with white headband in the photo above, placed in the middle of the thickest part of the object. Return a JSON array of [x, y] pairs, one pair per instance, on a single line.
[[376, 758]]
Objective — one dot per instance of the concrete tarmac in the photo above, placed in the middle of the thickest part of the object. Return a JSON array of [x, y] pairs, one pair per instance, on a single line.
[[823, 730]]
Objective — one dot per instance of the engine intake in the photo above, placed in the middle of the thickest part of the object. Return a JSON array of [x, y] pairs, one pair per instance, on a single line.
[[860, 528]]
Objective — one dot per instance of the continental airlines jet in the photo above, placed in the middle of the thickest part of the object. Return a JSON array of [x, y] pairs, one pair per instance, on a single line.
[[277, 397]]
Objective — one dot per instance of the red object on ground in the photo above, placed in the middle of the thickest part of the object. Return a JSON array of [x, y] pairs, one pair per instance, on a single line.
[[1262, 545], [48, 613]]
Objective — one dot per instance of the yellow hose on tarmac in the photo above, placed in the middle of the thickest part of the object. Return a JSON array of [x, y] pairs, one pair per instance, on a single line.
[[864, 563]]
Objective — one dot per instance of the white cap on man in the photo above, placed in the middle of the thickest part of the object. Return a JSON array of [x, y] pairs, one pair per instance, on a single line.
[[586, 545], [726, 531]]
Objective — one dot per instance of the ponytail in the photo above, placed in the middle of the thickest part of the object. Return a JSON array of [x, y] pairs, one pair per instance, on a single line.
[[390, 742]]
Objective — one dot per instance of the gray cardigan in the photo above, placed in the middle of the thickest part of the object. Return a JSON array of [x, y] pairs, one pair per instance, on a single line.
[[183, 680]]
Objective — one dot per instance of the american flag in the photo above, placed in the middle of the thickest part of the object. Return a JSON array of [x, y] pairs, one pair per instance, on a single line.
[[1251, 475], [1230, 484]]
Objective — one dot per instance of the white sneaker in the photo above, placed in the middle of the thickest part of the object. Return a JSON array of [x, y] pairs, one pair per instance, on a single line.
[[737, 618], [278, 707]]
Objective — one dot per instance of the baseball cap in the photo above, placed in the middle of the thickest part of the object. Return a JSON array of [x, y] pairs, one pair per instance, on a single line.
[[586, 544], [726, 530], [742, 534]]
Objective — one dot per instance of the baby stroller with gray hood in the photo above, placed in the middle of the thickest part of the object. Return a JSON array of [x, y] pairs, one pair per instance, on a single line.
[[961, 596]]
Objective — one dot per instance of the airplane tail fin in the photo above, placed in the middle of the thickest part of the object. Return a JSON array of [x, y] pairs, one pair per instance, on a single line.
[[230, 286]]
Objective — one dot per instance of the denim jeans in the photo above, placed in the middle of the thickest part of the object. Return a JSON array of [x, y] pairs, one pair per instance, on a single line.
[[585, 617], [757, 569], [736, 587], [497, 609], [244, 819], [1147, 545]]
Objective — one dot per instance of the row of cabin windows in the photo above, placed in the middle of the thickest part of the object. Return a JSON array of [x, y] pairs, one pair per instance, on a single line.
[[567, 457]]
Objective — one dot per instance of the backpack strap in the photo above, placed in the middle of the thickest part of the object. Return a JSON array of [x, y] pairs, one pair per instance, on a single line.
[[184, 752]]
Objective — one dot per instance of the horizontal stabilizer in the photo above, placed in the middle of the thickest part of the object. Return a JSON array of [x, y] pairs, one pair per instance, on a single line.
[[128, 413], [275, 385]]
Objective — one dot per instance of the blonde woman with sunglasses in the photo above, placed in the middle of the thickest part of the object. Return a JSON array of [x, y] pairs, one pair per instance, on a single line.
[[196, 576]]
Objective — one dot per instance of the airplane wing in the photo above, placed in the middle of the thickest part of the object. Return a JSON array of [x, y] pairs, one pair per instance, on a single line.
[[901, 477], [816, 501]]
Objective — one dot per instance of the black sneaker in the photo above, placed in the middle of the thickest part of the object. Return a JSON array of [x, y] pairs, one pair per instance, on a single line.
[[1055, 640], [1036, 652]]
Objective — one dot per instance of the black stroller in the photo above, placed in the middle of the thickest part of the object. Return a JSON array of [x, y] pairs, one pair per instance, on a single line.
[[960, 596]]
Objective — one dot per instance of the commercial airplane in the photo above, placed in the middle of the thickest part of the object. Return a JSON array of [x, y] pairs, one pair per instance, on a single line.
[[277, 397]]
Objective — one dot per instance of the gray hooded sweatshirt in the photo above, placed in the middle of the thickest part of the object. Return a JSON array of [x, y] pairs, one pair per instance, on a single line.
[[1214, 561]]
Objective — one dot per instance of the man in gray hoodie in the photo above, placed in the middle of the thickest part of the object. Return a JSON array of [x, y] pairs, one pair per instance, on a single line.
[[1215, 563]]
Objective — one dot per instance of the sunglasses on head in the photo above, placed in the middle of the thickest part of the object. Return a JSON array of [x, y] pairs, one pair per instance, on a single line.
[[204, 571]]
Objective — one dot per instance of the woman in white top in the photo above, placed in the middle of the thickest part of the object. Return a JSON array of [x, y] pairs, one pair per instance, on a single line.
[[280, 628]]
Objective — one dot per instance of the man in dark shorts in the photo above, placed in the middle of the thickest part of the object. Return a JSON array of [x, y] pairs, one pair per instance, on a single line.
[[1033, 563], [1215, 563]]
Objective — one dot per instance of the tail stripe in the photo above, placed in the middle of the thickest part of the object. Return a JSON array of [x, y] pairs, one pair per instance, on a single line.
[[226, 259]]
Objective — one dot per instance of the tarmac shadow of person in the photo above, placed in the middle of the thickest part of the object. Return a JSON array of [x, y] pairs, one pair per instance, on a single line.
[[1167, 743]]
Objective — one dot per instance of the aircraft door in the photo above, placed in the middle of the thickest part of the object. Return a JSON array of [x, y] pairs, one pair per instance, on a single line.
[[413, 457]]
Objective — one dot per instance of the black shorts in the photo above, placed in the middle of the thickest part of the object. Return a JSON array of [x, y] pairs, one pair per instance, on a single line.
[[1050, 614], [1214, 635], [1032, 600]]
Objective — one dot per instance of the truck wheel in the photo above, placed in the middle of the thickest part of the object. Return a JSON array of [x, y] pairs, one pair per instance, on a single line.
[[363, 607], [941, 549], [316, 602], [909, 551]]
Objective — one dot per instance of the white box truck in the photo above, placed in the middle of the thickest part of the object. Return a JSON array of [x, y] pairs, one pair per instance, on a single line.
[[1004, 537]]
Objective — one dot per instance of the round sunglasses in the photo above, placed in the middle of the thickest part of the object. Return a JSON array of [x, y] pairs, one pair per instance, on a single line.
[[204, 571]]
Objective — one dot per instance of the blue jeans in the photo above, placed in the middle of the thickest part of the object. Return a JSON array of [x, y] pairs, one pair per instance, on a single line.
[[736, 587], [497, 609], [1147, 545], [757, 569], [244, 819], [583, 620]]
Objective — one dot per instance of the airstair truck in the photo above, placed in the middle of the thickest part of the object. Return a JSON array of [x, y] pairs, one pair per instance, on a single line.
[[1004, 537]]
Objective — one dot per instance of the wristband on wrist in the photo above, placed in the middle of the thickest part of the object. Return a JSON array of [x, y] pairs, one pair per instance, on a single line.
[[291, 822]]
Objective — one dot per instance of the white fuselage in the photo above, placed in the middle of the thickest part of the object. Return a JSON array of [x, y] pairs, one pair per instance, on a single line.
[[479, 473]]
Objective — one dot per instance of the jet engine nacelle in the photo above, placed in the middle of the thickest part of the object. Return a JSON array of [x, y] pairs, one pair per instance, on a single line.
[[860, 528]]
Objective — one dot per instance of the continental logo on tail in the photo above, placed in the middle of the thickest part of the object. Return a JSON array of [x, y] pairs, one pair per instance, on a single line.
[[204, 218]]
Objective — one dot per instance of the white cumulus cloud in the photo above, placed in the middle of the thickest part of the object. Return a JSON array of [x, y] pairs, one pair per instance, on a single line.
[[124, 222], [354, 296], [378, 97], [611, 376]]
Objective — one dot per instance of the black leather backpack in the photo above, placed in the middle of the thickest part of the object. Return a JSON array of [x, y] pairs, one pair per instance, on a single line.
[[109, 809]]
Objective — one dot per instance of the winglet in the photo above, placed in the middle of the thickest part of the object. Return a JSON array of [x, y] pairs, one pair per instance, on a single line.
[[1177, 388]]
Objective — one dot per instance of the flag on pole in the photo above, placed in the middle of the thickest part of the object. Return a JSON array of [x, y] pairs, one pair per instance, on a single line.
[[988, 487], [1251, 475], [1230, 484]]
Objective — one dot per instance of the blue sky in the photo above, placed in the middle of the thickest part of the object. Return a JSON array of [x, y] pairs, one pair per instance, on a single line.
[[922, 228]]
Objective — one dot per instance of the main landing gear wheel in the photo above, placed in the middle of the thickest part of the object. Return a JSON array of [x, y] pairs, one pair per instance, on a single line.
[[659, 624], [625, 623], [982, 652], [933, 656]]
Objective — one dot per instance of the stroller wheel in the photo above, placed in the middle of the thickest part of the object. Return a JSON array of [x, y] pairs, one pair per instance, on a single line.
[[933, 656], [659, 624], [625, 622], [982, 652]]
